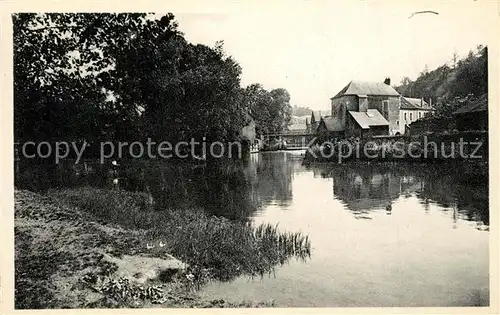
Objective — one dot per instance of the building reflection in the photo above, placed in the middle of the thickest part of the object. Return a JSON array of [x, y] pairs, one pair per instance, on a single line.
[[236, 189], [365, 188]]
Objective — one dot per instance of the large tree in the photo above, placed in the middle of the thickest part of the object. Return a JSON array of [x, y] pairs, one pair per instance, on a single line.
[[126, 77], [103, 76], [187, 91], [59, 66], [270, 109]]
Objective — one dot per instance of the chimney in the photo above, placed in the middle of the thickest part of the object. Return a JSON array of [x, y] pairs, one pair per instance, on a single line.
[[387, 81], [422, 102]]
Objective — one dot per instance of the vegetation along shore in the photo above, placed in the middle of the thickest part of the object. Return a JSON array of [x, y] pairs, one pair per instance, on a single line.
[[91, 247]]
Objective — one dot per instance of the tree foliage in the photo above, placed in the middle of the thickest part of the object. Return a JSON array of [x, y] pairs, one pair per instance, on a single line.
[[301, 111], [58, 59], [271, 110], [446, 86], [127, 76]]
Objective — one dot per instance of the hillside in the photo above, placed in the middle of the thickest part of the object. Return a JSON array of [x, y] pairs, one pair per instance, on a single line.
[[466, 77]]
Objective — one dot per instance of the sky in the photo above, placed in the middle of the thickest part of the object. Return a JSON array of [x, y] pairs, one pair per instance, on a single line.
[[314, 48]]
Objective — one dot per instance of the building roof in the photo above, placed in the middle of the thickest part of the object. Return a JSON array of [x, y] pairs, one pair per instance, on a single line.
[[332, 123], [371, 117], [367, 88], [419, 102], [479, 105], [414, 103]]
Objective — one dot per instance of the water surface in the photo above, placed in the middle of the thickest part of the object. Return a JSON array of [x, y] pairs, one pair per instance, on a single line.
[[381, 235]]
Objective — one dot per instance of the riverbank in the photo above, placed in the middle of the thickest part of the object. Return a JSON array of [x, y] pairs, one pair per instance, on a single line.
[[428, 148], [92, 248]]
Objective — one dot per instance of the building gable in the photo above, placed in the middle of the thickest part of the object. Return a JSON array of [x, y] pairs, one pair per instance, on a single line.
[[367, 88]]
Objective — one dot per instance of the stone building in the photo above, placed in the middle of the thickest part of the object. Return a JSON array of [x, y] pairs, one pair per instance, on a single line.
[[329, 128], [367, 108]]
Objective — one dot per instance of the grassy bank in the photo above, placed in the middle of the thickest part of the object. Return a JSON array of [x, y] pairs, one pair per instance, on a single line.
[[89, 247]]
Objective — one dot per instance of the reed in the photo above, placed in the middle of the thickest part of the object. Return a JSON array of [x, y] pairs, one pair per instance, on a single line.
[[215, 248]]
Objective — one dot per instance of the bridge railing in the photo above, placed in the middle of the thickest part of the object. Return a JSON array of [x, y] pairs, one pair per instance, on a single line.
[[289, 133]]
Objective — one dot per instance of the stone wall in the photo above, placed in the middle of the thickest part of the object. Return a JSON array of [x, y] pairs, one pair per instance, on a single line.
[[392, 113], [352, 128], [375, 131], [341, 105]]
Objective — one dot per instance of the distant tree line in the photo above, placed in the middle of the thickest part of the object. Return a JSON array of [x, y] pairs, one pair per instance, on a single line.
[[301, 111], [126, 77], [448, 84]]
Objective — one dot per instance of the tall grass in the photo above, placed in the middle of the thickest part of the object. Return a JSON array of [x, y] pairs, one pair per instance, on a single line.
[[214, 247], [128, 209]]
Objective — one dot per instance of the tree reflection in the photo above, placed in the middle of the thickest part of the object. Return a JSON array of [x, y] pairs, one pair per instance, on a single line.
[[272, 182], [236, 189]]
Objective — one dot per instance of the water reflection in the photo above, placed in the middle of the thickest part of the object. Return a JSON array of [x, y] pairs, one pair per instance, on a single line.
[[413, 245], [365, 188], [271, 176], [382, 234], [234, 189], [239, 189]]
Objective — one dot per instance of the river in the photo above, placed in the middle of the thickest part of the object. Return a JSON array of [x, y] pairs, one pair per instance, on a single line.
[[381, 234], [414, 236]]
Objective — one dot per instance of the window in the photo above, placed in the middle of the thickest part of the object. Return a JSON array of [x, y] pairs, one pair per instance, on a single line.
[[411, 116], [397, 122], [420, 115], [405, 116], [385, 108]]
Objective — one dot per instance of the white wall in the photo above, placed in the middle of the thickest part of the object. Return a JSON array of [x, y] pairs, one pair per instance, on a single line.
[[411, 116]]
